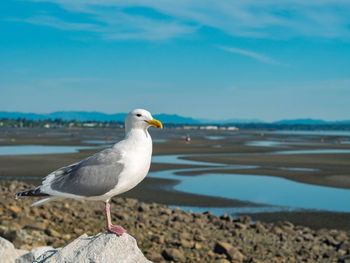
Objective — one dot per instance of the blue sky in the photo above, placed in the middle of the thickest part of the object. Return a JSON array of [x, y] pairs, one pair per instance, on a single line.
[[252, 59]]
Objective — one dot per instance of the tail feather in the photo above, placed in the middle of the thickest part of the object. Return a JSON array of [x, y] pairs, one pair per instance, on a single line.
[[30, 192], [42, 201]]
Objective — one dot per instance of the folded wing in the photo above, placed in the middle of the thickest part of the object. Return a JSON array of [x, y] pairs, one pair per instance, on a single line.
[[93, 176]]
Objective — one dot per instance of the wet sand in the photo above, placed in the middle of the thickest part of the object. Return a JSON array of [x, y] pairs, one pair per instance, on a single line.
[[312, 219], [332, 169]]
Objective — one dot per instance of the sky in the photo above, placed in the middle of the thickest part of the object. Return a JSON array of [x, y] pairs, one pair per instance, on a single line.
[[252, 59]]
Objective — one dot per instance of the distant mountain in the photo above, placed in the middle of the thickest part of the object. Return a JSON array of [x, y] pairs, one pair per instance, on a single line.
[[165, 118], [230, 121], [176, 119], [86, 116], [92, 116], [241, 121], [65, 115], [310, 122], [301, 121], [16, 115]]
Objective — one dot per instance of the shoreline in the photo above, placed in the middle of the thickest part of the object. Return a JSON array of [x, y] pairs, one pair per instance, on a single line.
[[187, 236], [333, 170]]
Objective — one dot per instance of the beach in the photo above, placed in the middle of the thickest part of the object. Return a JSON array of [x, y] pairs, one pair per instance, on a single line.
[[303, 158]]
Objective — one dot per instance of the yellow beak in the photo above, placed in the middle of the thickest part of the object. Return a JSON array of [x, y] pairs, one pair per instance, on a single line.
[[155, 123]]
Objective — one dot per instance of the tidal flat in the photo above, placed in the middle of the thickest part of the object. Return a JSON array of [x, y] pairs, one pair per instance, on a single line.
[[308, 159]]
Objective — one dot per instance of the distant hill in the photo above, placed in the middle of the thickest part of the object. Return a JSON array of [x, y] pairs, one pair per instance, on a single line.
[[93, 116], [310, 122], [165, 118], [240, 121], [176, 119], [301, 121], [65, 115]]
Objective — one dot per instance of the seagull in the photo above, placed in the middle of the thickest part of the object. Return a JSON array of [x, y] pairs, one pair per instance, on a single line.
[[105, 174]]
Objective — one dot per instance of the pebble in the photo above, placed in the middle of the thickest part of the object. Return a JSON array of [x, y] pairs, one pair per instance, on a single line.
[[230, 251], [167, 235], [173, 254]]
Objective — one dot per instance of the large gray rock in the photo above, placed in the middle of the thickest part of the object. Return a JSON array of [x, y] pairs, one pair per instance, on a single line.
[[103, 248], [8, 253], [33, 254]]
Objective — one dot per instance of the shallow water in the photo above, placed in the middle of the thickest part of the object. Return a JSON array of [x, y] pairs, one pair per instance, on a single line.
[[314, 151], [39, 149], [97, 142], [159, 140], [268, 190], [174, 159], [214, 137], [318, 133], [265, 143], [277, 194]]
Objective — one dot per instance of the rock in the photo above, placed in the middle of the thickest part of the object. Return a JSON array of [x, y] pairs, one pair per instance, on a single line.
[[52, 232], [222, 260], [226, 217], [33, 254], [178, 210], [155, 256], [260, 228], [330, 240], [185, 235], [144, 207], [277, 230], [240, 226], [160, 239], [165, 211], [14, 209], [8, 253], [22, 252], [231, 252], [103, 248], [244, 219], [199, 237], [173, 254], [185, 243], [344, 259]]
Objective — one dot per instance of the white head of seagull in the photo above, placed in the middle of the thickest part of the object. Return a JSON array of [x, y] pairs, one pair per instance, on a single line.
[[140, 119]]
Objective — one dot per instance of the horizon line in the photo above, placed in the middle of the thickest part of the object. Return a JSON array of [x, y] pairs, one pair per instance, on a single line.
[[203, 120]]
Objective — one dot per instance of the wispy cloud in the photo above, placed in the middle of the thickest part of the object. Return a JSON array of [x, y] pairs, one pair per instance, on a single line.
[[45, 20], [250, 18], [250, 54]]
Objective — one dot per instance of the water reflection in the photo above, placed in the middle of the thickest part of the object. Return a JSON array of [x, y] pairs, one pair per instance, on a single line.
[[265, 143], [159, 140], [97, 142], [214, 137], [39, 149], [262, 189], [316, 133], [272, 191]]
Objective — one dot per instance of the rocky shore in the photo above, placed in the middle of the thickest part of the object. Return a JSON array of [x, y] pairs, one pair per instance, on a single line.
[[164, 234]]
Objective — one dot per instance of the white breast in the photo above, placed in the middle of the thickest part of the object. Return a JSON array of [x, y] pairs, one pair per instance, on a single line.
[[137, 153]]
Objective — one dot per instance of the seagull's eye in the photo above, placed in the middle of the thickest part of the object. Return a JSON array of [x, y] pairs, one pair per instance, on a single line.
[[138, 115]]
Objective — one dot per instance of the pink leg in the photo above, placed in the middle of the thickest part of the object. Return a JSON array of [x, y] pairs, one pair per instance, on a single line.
[[118, 230]]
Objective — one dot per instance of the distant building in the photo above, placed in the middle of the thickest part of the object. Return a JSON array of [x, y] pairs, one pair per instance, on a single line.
[[209, 127], [232, 128], [90, 125], [190, 127]]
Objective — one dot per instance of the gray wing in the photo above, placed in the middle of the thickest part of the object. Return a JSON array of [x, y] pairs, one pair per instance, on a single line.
[[93, 176]]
